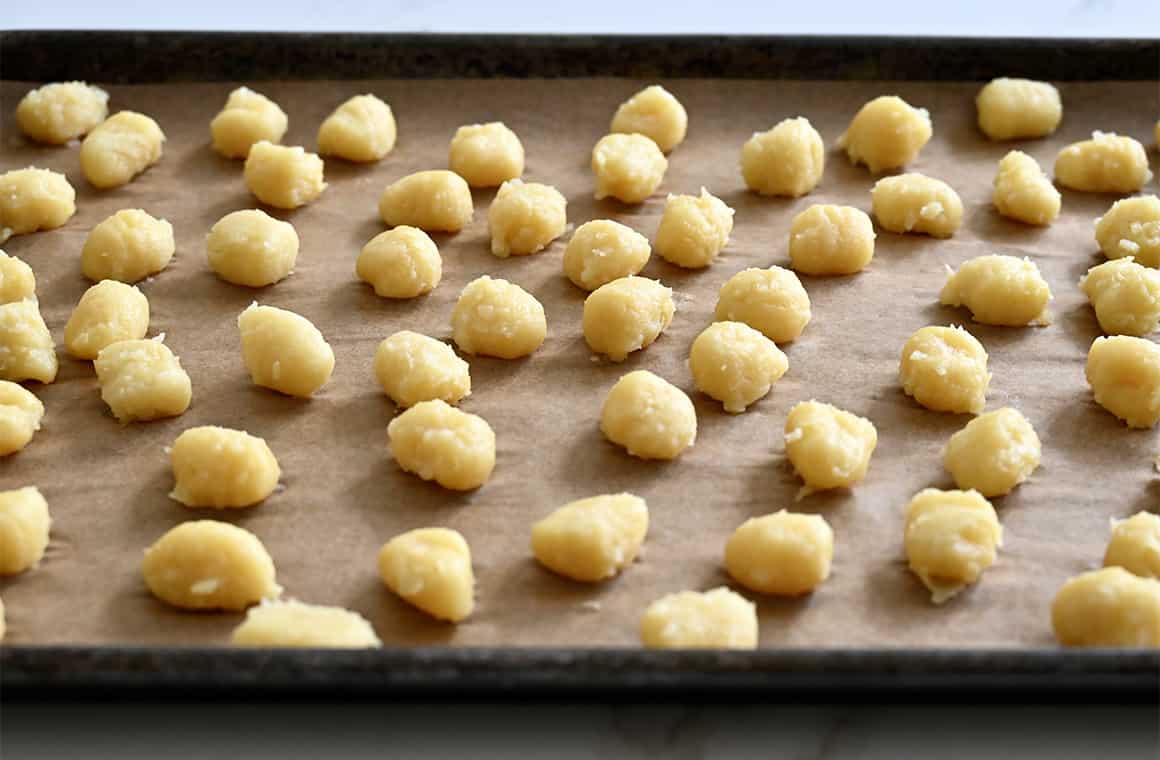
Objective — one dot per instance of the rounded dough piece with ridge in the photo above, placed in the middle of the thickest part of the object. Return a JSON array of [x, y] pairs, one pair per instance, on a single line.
[[128, 246], [999, 290], [917, 203], [247, 118], [252, 248], [629, 168], [951, 537], [655, 113], [1018, 109], [412, 367], [20, 416], [438, 442], [222, 468], [831, 240], [788, 160], [735, 364], [59, 112], [715, 619], [1124, 295], [827, 446], [1131, 227], [994, 453], [400, 263], [362, 129], [119, 148], [693, 230], [17, 281], [1124, 375], [525, 217], [107, 313], [26, 348], [1022, 191], [430, 568], [772, 301], [886, 133], [648, 416], [295, 624], [1109, 607], [1135, 545], [626, 315], [601, 251], [24, 527], [945, 370], [784, 553], [34, 199], [494, 317], [593, 539], [486, 155], [284, 351], [1107, 163], [142, 380], [435, 201], [283, 176]]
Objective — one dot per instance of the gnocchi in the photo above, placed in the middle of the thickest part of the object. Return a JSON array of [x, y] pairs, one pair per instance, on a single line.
[[1131, 227], [247, 118], [735, 364], [626, 315], [119, 148], [252, 248], [282, 176], [494, 317], [434, 201], [655, 113], [1135, 545], [108, 312], [1124, 375], [715, 619], [648, 416], [886, 133], [1018, 109], [945, 370], [284, 351], [128, 246], [1109, 607], [772, 301], [951, 537], [486, 155], [1124, 295], [525, 217], [628, 168], [785, 553], [828, 447], [917, 203], [26, 348], [831, 240], [994, 453], [362, 129], [430, 568], [786, 160], [438, 442], [593, 539], [59, 112], [17, 281], [24, 528], [601, 251], [1023, 192], [295, 624], [222, 468], [20, 416], [1107, 163], [34, 199], [142, 380], [412, 368], [693, 230], [400, 263], [999, 290]]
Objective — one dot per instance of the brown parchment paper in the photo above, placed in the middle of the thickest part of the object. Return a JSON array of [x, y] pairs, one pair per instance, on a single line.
[[344, 496]]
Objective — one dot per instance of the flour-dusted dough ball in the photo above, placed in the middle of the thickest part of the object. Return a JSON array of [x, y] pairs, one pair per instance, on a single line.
[[282, 176], [251, 248], [486, 155], [222, 468], [1125, 296], [436, 441], [436, 201], [209, 565], [1124, 374], [119, 148], [917, 203], [62, 111], [831, 240], [999, 290], [1107, 608], [20, 416], [770, 300], [716, 619], [945, 370], [430, 568], [629, 168], [1131, 227], [525, 217], [601, 251], [787, 160], [142, 380], [24, 525], [34, 199], [1107, 163], [128, 246], [592, 539], [886, 133], [412, 368], [1014, 109], [108, 312], [247, 118], [26, 348], [626, 315], [951, 537], [827, 446], [785, 553], [735, 364], [1135, 545], [655, 113], [1022, 191], [994, 453], [361, 129], [693, 230], [17, 281], [400, 263], [284, 351], [494, 317], [648, 416], [292, 623]]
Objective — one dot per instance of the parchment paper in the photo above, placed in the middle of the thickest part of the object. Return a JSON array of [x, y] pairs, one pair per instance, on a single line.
[[344, 496]]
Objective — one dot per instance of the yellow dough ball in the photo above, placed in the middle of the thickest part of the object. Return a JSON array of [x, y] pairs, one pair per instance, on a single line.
[[693, 230], [1107, 608], [735, 364], [1135, 545], [827, 446], [17, 281], [999, 290], [831, 240], [34, 199], [525, 217], [1131, 227], [772, 301], [142, 380], [252, 248], [629, 168], [20, 416], [295, 624], [486, 155], [435, 201], [785, 553], [593, 539], [994, 453], [128, 246], [787, 160], [917, 203], [284, 351], [1125, 296], [1107, 163], [951, 537], [400, 263], [626, 315], [26, 348], [283, 177], [1022, 191], [655, 113], [945, 370], [716, 619], [62, 111], [886, 133], [1124, 375], [247, 118], [362, 129], [648, 416], [1014, 109], [222, 468], [601, 251], [108, 312], [430, 568], [119, 148], [494, 317], [24, 526], [412, 368], [438, 442]]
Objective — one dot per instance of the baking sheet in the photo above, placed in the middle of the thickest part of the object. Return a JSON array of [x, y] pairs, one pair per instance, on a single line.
[[343, 497]]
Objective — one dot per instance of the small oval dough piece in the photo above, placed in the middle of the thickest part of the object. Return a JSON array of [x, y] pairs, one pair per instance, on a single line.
[[284, 351], [108, 312], [626, 315], [436, 201], [494, 317], [601, 251], [827, 446], [770, 300], [886, 133], [525, 217], [252, 248], [26, 348], [20, 416], [1022, 191], [56, 113], [629, 168], [17, 281], [1124, 295], [430, 568], [209, 565], [648, 416], [486, 155], [1124, 375], [945, 370], [1107, 163], [362, 129], [999, 290], [142, 380], [951, 537], [1018, 109], [716, 619], [785, 553], [693, 230], [655, 113], [128, 246], [1135, 545], [436, 441], [787, 160], [283, 176], [34, 199], [592, 539], [222, 468], [400, 263], [247, 118], [735, 364], [24, 526], [917, 203], [1107, 608], [1131, 227], [295, 624], [994, 453], [831, 240], [412, 367], [119, 148]]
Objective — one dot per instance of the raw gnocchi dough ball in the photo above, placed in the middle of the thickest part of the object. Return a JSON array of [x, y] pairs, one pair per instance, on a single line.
[[1023, 192], [999, 290], [1124, 374], [222, 468], [1125, 296], [494, 317], [525, 218], [61, 111], [917, 203], [400, 263], [945, 370], [626, 315], [1107, 163], [693, 230], [827, 446], [486, 155], [17, 282], [592, 539], [648, 416], [716, 619], [20, 416], [1107, 608], [1013, 109], [361, 129], [1131, 227], [284, 351], [735, 364], [629, 168], [119, 148], [413, 368], [831, 240], [784, 553], [209, 565], [994, 453], [601, 251], [108, 312], [770, 300], [436, 201], [436, 441], [24, 525], [283, 177], [951, 537], [655, 113], [886, 133], [26, 348], [128, 246], [1135, 545], [787, 160], [430, 568], [34, 199], [295, 624], [142, 380], [247, 118], [252, 248]]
